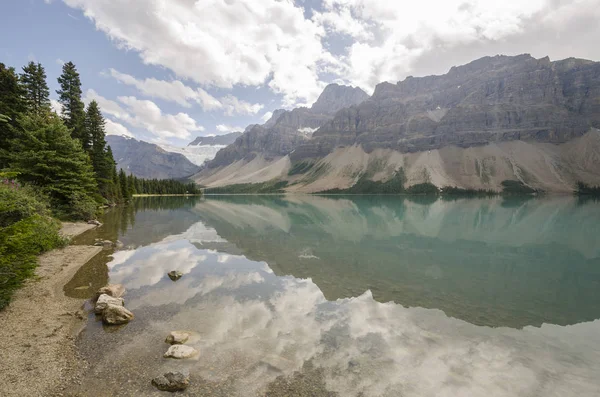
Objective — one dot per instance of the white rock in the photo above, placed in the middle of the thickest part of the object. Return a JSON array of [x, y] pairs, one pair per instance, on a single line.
[[115, 315], [177, 337], [104, 300], [114, 290], [181, 351]]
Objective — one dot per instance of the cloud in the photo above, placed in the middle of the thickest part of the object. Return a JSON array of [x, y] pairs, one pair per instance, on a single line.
[[232, 106], [295, 50], [178, 92], [391, 40], [228, 128], [265, 117], [56, 106], [114, 128], [60, 61], [147, 115], [218, 42]]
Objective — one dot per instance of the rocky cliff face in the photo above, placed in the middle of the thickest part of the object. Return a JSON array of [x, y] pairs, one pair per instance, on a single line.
[[493, 120], [492, 99], [146, 160], [286, 130]]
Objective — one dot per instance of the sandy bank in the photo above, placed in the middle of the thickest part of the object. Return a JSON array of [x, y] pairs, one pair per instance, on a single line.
[[38, 328]]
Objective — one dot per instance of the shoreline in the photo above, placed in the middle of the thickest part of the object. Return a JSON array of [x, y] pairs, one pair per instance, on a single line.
[[38, 356], [166, 195]]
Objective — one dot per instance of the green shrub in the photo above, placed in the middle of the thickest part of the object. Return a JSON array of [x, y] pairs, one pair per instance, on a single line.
[[20, 243], [26, 230], [19, 202]]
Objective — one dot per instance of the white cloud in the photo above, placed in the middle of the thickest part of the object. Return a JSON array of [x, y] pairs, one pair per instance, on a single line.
[[265, 117], [219, 42], [272, 43], [176, 91], [56, 106], [392, 39], [233, 105], [114, 128], [147, 115], [60, 61], [228, 128]]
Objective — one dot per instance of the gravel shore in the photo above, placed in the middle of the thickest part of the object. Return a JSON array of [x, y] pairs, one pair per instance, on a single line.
[[38, 329]]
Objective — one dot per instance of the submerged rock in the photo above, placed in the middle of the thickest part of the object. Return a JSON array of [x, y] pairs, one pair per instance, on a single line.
[[181, 351], [104, 300], [177, 337], [175, 275], [115, 315], [171, 381], [114, 290], [119, 244]]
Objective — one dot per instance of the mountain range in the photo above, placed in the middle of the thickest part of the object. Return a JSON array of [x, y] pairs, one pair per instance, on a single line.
[[496, 119], [147, 160]]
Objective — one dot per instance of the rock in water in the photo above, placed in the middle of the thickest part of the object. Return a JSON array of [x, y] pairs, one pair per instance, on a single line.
[[171, 381], [175, 275], [181, 351], [114, 290], [177, 337], [115, 315], [94, 222], [104, 300]]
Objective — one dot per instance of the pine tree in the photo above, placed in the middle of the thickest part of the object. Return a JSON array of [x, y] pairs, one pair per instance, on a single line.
[[73, 108], [94, 125], [115, 187], [124, 188], [37, 94], [116, 182], [45, 155], [11, 106]]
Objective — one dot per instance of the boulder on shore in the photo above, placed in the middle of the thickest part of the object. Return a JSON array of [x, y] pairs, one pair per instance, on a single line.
[[114, 290], [171, 381], [177, 337], [104, 300], [94, 222], [175, 275], [116, 315], [181, 351]]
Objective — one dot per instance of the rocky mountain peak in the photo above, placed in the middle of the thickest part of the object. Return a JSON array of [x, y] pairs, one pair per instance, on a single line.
[[335, 97]]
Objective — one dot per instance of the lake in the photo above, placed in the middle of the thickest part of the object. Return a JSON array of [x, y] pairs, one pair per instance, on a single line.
[[351, 296]]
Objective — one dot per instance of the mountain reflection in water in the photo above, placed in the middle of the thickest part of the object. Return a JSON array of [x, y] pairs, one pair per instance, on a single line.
[[358, 296]]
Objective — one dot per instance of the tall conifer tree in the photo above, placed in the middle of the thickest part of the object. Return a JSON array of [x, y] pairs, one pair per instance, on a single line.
[[11, 106], [37, 94], [73, 108]]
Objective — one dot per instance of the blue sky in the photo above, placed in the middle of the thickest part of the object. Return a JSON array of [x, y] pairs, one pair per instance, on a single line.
[[170, 70]]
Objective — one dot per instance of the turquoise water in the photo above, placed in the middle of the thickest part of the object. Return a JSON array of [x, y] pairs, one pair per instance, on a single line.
[[353, 296]]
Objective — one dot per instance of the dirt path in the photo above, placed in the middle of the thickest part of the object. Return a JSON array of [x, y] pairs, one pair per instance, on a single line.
[[38, 329]]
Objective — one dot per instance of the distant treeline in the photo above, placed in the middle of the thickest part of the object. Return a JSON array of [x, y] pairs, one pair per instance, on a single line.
[[583, 189], [161, 186]]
